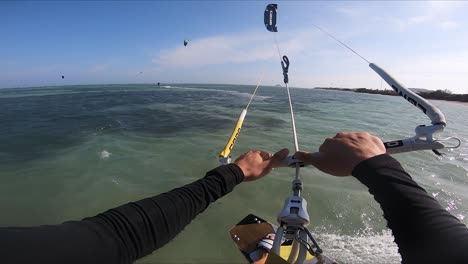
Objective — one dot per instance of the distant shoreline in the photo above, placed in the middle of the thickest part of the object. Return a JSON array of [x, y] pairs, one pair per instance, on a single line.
[[455, 102], [430, 95]]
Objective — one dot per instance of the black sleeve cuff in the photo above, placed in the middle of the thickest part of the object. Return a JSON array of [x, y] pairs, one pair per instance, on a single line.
[[370, 166], [232, 173]]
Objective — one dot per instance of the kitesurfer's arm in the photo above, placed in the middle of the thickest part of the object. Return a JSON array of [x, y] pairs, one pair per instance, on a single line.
[[423, 230], [133, 230]]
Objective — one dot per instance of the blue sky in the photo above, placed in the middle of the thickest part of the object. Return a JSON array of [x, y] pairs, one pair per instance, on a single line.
[[423, 44]]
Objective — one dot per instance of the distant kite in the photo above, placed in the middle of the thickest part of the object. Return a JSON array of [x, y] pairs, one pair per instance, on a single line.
[[186, 42], [63, 77]]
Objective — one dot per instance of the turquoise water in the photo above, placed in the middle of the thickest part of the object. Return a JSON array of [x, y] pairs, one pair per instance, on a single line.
[[75, 151]]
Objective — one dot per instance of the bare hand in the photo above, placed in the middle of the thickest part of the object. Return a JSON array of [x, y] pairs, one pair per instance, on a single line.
[[339, 155], [256, 163]]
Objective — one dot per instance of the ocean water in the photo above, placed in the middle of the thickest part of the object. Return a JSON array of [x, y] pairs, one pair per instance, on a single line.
[[74, 151]]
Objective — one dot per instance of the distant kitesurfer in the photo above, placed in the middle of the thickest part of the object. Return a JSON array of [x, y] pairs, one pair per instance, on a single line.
[[158, 84], [63, 77], [423, 230]]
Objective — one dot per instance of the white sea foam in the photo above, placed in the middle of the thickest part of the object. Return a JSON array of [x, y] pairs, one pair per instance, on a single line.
[[104, 154], [367, 247]]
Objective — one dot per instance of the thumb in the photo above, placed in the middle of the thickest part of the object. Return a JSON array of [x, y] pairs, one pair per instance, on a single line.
[[278, 158], [309, 158]]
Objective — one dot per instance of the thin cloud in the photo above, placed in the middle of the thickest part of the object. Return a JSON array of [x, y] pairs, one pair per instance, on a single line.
[[222, 49], [350, 11], [448, 25], [439, 14], [445, 6], [418, 19], [97, 68], [442, 15], [216, 50], [447, 70]]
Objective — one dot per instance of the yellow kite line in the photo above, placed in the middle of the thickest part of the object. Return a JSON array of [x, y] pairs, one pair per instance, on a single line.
[[224, 157]]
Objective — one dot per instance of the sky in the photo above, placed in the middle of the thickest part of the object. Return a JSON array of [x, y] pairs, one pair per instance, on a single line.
[[423, 44]]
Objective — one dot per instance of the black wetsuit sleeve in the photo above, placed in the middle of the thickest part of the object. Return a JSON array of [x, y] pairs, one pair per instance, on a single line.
[[122, 234], [423, 230]]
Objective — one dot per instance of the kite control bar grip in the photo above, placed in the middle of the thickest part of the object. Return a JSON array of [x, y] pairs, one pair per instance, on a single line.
[[423, 140], [412, 144], [291, 161]]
